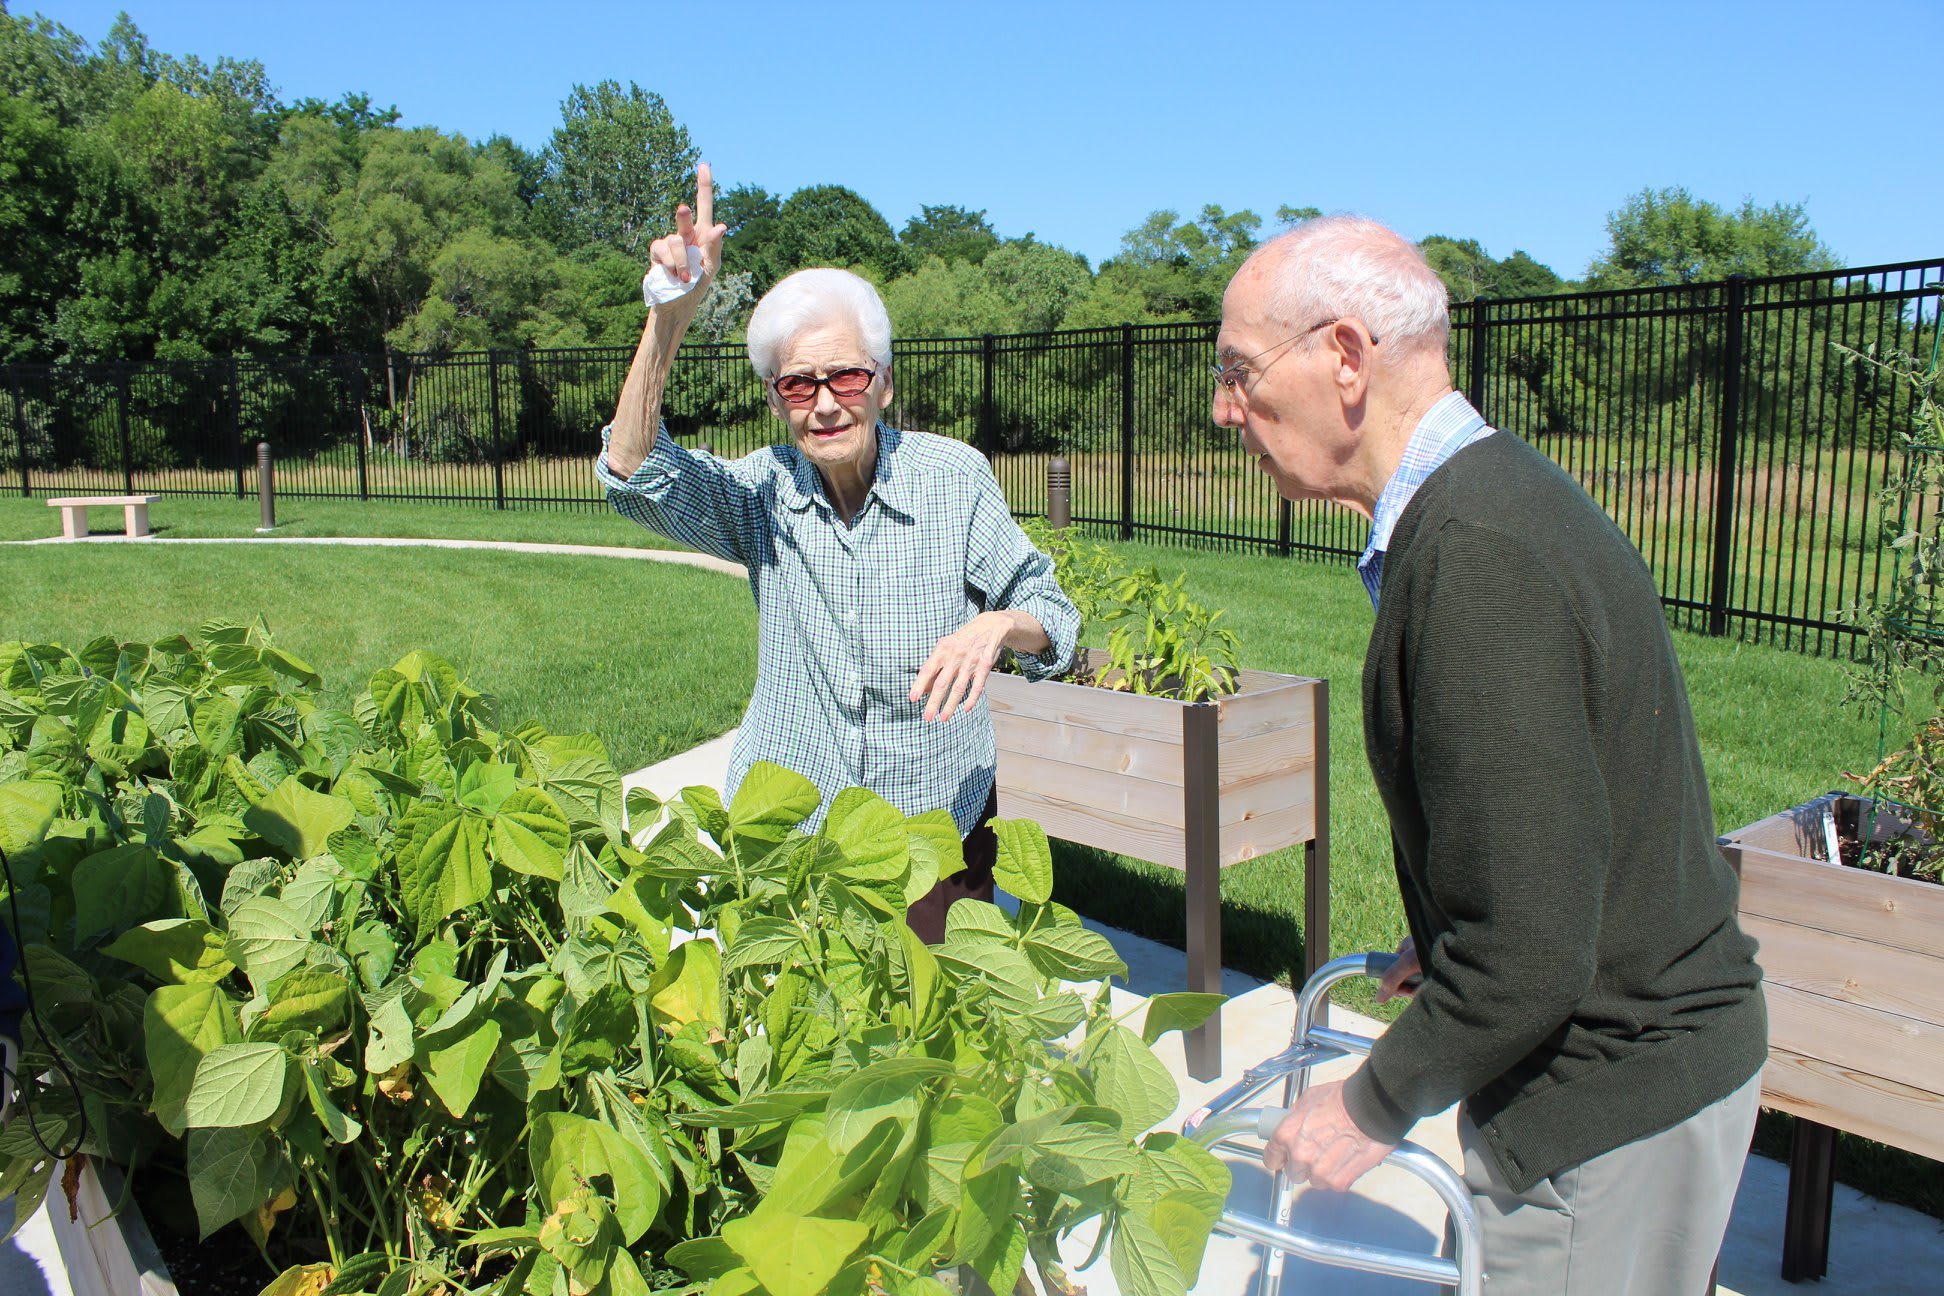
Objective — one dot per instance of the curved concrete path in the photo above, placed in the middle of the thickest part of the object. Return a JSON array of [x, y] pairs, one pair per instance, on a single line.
[[681, 557]]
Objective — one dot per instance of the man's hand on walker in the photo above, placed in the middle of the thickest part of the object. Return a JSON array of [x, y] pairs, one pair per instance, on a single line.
[[1320, 1144], [954, 675], [1402, 981]]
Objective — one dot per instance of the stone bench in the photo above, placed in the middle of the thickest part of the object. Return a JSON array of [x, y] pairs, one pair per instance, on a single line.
[[74, 512]]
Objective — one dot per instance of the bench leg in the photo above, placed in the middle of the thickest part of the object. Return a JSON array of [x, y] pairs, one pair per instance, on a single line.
[[1812, 1195], [135, 520], [74, 523]]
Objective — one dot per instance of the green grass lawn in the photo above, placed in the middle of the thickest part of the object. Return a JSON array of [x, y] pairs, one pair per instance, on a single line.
[[657, 658], [653, 657]]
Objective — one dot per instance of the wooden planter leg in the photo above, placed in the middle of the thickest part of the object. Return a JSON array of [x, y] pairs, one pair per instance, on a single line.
[[1201, 795], [1812, 1196]]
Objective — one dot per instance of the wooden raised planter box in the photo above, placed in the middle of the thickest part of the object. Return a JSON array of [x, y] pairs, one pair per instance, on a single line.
[[1192, 786], [1853, 970], [106, 1251]]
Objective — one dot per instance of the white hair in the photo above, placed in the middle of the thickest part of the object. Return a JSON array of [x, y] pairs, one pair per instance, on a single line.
[[1335, 266], [809, 299]]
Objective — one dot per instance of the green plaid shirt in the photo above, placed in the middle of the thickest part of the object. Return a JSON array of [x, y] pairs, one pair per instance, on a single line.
[[848, 615]]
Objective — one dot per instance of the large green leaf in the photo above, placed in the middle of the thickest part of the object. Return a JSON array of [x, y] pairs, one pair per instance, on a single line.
[[298, 820], [231, 1172], [531, 834], [310, 999], [688, 987], [1078, 1154], [486, 784], [173, 949], [391, 1041], [566, 1150], [1142, 1261], [936, 852], [27, 808], [117, 888], [794, 1255], [119, 741], [761, 942], [975, 921], [1073, 953], [771, 801], [181, 1024], [1183, 1219], [1129, 1079], [1179, 1011], [442, 865], [456, 1070], [217, 724], [267, 938], [871, 833], [890, 1090], [1025, 862], [237, 1085]]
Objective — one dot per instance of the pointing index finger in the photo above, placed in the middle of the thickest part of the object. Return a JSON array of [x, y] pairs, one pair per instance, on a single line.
[[705, 196]]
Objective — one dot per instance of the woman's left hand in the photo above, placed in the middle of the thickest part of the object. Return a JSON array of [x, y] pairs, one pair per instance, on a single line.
[[954, 675]]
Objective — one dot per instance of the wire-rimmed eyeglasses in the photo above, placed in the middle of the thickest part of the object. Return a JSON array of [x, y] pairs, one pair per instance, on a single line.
[[1229, 377]]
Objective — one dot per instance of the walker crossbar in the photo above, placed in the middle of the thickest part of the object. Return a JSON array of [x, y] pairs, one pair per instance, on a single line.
[[1227, 1124]]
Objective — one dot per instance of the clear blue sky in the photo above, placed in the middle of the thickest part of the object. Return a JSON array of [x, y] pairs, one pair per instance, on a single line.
[[1519, 124]]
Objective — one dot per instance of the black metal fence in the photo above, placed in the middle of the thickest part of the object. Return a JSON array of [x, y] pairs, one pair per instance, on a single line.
[[1722, 425]]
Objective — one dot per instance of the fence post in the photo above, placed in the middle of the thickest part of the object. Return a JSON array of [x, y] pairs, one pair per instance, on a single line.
[[1727, 457], [236, 422], [1285, 527], [988, 429], [364, 429], [1127, 432], [128, 462], [20, 429], [1477, 376], [499, 450]]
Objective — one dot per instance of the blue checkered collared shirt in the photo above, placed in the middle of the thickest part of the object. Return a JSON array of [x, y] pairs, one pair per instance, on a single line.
[[1446, 428], [846, 616]]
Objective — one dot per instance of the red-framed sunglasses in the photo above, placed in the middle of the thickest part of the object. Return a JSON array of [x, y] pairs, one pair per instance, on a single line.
[[844, 384]]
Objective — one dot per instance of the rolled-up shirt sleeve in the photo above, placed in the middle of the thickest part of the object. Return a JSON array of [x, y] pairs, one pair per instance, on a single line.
[[1010, 574], [693, 499]]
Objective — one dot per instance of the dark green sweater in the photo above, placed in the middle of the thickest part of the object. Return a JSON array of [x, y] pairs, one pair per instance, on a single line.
[[1586, 983]]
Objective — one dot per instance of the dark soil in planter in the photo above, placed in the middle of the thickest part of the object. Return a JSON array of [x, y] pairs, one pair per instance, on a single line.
[[226, 1264], [1895, 845]]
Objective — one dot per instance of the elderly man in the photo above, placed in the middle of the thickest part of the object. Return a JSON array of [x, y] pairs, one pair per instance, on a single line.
[[1577, 977]]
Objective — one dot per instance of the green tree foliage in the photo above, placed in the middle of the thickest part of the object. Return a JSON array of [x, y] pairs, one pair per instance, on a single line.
[[1469, 271], [615, 169], [949, 233], [1668, 236], [830, 225]]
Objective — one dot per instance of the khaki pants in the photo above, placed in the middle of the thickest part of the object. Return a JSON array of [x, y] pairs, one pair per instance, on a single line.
[[1646, 1219]]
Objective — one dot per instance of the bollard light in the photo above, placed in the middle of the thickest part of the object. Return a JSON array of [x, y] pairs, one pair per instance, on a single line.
[[1059, 493], [266, 488]]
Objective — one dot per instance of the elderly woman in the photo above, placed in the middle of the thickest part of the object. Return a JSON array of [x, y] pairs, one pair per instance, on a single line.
[[887, 569]]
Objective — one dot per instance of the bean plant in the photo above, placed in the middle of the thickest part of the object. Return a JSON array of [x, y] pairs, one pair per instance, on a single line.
[[420, 1003]]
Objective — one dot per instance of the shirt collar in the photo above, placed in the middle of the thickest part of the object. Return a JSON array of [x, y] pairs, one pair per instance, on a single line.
[[891, 484], [1446, 428]]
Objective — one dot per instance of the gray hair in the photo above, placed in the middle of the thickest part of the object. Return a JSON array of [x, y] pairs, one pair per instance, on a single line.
[[808, 299], [1336, 266]]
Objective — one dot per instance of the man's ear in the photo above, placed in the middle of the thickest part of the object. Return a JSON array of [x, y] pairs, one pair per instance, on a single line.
[[1353, 352], [886, 392]]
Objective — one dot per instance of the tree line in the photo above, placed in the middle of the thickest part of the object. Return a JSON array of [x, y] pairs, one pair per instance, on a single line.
[[153, 206]]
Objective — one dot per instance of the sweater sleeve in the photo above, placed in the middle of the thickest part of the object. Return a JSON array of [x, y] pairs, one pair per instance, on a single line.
[[1503, 688]]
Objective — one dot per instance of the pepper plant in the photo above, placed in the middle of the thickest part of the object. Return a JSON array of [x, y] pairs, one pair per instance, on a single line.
[[1163, 643], [397, 991]]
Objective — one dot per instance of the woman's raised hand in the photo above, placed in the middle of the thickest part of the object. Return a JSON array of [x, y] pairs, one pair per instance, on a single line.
[[694, 228]]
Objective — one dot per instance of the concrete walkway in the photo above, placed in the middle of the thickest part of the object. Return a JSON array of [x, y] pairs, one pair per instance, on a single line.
[[1875, 1249], [679, 556]]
